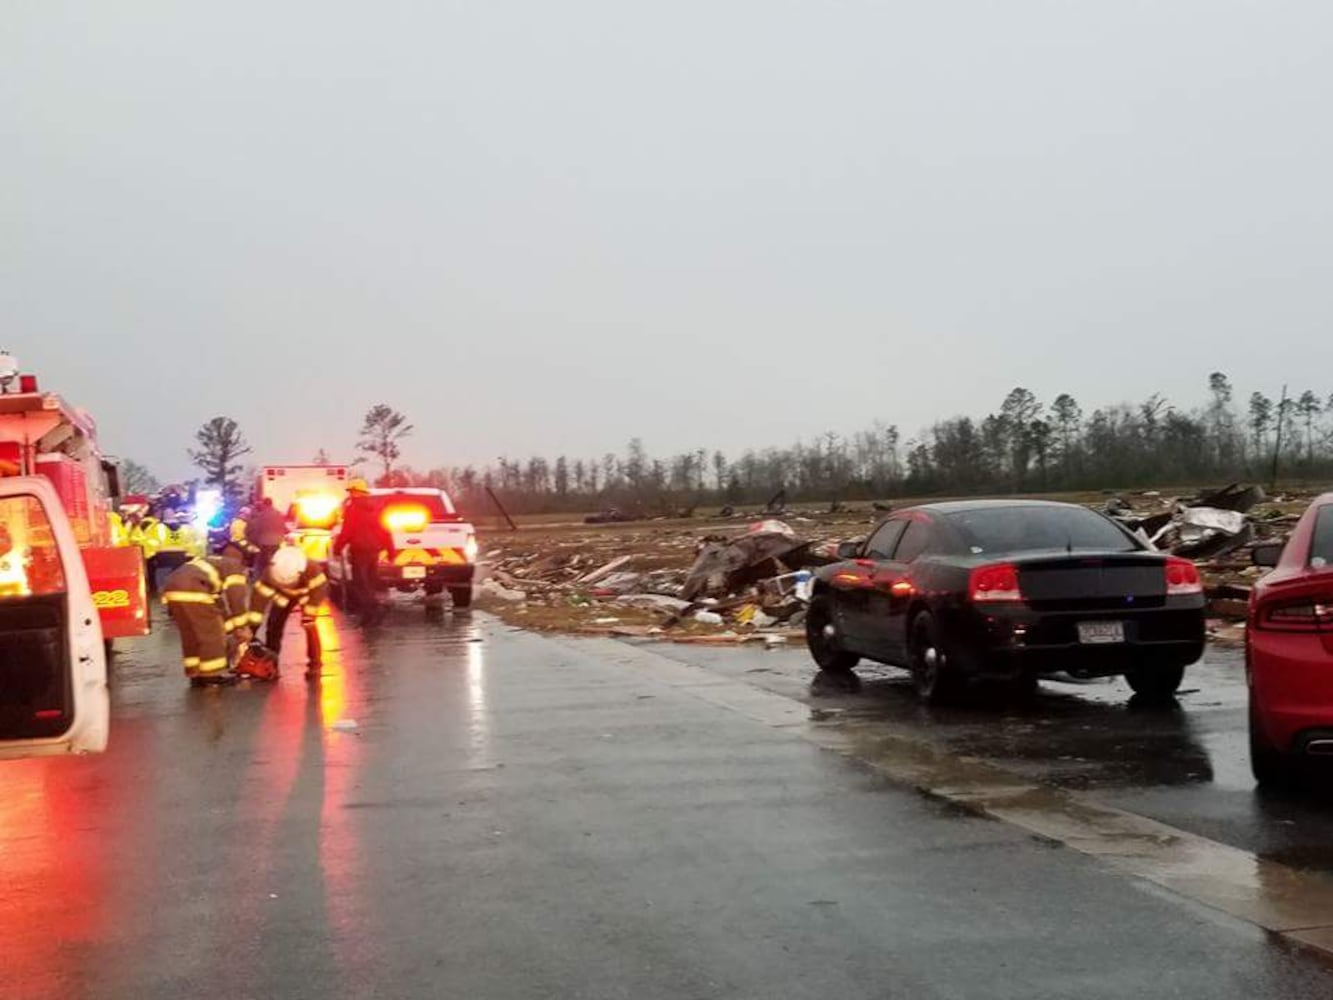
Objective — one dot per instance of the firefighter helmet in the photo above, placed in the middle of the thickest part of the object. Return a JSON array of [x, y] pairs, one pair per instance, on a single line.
[[287, 565], [358, 486]]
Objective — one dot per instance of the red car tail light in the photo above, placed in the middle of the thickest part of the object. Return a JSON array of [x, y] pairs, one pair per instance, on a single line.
[[1304, 615], [997, 584], [1182, 577]]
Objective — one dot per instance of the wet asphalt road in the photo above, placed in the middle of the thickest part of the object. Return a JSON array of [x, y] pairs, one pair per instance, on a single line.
[[1187, 766], [519, 817]]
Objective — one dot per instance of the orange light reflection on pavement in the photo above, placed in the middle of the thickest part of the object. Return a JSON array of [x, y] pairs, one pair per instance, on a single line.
[[340, 852], [59, 817], [333, 680]]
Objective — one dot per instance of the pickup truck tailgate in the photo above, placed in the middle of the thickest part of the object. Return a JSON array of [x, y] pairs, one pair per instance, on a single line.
[[442, 538]]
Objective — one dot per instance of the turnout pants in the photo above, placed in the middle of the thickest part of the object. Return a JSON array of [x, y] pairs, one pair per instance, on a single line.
[[277, 622], [203, 636], [365, 565]]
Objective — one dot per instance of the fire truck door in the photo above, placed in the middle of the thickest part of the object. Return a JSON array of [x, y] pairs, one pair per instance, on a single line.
[[53, 691]]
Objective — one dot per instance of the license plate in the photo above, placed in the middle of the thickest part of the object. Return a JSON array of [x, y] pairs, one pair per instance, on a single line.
[[414, 572], [1101, 633]]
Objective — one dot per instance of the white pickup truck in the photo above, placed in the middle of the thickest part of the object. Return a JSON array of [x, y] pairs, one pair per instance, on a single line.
[[433, 548]]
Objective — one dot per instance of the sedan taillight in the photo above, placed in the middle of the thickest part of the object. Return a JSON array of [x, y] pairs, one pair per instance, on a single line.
[[1305, 615], [1182, 577], [996, 584]]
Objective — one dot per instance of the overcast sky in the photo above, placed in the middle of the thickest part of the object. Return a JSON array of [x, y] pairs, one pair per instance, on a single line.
[[543, 227]]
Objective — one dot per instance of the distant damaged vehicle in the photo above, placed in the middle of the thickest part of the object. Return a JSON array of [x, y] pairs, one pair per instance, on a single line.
[[1008, 590]]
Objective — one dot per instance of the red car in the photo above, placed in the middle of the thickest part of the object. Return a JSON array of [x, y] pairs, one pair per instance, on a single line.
[[1289, 649]]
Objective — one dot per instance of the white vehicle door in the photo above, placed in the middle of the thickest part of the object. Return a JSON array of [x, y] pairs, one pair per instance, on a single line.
[[53, 692]]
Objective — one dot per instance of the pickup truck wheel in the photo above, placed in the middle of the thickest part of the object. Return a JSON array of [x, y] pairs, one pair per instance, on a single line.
[[461, 596]]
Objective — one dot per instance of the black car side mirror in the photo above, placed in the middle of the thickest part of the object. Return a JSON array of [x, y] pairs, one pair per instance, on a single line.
[[1267, 554], [848, 550]]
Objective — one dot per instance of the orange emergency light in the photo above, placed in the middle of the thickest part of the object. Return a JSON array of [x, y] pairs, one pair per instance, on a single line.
[[405, 517], [316, 510]]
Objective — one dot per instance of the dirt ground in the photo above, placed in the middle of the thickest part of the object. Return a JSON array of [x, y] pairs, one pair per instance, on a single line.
[[539, 570]]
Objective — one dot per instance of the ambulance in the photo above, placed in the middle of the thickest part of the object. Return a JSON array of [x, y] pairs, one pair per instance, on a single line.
[[311, 498]]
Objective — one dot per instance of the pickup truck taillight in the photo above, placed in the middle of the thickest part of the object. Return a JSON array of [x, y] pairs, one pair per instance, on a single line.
[[470, 549], [996, 584], [405, 517]]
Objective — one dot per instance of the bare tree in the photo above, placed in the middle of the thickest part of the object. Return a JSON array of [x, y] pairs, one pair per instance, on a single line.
[[1308, 407], [382, 430], [135, 478], [221, 446]]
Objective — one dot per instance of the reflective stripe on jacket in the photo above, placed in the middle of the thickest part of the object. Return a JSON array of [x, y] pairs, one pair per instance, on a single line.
[[210, 580], [311, 588]]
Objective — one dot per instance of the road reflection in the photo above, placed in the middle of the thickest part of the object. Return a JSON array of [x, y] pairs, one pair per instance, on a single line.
[[479, 731]]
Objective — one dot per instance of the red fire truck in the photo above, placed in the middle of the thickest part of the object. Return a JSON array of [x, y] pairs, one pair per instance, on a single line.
[[42, 435]]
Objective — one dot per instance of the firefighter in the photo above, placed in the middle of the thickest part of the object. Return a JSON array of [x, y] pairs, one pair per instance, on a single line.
[[266, 530], [207, 599], [238, 540], [149, 534], [120, 532], [365, 538], [183, 537], [290, 581]]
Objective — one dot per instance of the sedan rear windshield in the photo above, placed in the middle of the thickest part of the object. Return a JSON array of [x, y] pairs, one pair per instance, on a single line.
[[1321, 546], [1002, 530]]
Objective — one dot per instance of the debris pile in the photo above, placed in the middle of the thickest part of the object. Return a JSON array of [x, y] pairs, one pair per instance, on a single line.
[[720, 579], [1206, 526], [751, 585], [1217, 529]]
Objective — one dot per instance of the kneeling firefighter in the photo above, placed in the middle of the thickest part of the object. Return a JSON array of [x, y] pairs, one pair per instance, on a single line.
[[207, 600], [288, 582]]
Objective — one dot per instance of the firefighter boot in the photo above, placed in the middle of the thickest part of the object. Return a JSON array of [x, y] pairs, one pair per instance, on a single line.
[[313, 650]]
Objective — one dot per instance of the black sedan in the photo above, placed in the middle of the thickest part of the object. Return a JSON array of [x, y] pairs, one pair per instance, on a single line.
[[1008, 590]]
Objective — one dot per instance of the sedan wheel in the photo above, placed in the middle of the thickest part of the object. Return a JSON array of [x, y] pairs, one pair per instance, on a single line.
[[821, 635], [1271, 767], [933, 677], [1157, 682]]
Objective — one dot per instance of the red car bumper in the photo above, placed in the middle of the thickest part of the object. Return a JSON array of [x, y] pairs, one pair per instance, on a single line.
[[1291, 686]]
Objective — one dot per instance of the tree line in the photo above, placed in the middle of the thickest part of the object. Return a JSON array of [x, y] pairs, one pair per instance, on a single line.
[[1025, 445]]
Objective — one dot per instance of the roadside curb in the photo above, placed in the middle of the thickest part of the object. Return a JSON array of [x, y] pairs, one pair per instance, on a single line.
[[1292, 905]]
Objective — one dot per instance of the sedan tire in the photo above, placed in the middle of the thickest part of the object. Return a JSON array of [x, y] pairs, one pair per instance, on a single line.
[[821, 635], [1156, 682], [934, 677], [1272, 769]]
